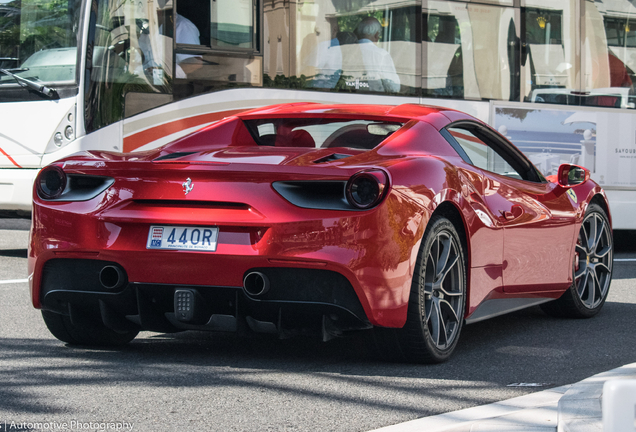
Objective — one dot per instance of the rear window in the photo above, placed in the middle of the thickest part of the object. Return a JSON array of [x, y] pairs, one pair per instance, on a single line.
[[320, 132]]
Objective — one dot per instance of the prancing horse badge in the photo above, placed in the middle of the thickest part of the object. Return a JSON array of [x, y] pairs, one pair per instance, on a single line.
[[187, 186]]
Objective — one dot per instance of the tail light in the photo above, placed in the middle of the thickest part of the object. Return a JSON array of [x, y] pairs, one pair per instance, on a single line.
[[366, 189], [51, 182]]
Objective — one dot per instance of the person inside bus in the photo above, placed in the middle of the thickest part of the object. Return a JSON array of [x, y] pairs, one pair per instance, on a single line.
[[378, 63], [326, 61], [186, 33]]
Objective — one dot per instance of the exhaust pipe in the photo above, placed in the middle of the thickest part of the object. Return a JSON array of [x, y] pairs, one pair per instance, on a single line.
[[112, 277], [256, 284]]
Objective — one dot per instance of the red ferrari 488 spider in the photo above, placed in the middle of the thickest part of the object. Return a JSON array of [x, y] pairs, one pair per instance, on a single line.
[[411, 221]]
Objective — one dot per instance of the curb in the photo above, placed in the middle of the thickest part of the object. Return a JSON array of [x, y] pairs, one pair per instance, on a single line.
[[580, 408], [535, 412], [571, 408]]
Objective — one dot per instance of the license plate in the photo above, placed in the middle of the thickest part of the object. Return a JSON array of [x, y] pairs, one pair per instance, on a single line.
[[182, 238]]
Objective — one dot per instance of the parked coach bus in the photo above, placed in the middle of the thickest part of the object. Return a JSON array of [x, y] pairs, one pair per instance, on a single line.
[[556, 77]]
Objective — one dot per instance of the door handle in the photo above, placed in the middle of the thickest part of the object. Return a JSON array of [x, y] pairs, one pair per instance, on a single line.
[[515, 211], [508, 215]]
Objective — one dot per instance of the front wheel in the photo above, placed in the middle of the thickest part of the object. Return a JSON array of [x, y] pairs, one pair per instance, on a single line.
[[93, 334], [592, 269], [437, 300]]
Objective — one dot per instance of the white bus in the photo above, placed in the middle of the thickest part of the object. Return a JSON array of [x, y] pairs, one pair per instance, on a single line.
[[557, 77]]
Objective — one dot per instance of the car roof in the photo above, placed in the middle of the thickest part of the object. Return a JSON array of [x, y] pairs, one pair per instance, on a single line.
[[437, 116]]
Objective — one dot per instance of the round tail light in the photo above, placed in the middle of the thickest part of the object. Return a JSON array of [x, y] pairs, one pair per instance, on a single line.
[[51, 182], [366, 188]]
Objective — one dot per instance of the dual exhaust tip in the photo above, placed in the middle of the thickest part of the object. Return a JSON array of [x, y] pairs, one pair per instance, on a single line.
[[112, 277], [255, 283]]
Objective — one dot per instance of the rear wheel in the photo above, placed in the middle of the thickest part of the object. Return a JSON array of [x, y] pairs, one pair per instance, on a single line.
[[437, 300], [94, 334], [592, 269]]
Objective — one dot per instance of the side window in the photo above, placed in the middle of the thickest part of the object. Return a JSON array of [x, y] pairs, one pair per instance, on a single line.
[[129, 59], [344, 46], [481, 153], [217, 46], [469, 50]]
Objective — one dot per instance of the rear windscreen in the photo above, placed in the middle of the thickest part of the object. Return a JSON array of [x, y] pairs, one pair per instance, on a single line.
[[320, 132]]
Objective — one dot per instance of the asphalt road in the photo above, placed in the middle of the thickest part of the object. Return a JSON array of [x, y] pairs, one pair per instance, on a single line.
[[219, 382]]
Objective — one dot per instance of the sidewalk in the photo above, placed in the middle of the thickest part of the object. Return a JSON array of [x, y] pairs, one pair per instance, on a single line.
[[571, 408]]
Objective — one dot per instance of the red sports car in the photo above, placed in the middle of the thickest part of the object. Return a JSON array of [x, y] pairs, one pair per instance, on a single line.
[[409, 220]]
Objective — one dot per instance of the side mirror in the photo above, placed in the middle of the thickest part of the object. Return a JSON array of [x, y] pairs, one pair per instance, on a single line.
[[570, 175]]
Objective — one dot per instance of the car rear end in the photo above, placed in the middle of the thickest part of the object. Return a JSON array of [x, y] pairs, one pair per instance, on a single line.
[[202, 241]]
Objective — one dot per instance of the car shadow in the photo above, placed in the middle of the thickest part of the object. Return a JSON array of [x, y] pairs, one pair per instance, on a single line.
[[522, 347], [14, 253]]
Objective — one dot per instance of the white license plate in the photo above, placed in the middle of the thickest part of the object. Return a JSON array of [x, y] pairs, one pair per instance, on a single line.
[[182, 238]]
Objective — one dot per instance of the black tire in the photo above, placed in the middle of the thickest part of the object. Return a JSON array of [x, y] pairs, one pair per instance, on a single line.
[[592, 269], [436, 302], [92, 334]]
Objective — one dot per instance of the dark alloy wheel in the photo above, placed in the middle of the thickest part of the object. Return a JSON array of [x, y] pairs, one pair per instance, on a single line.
[[592, 269], [437, 301]]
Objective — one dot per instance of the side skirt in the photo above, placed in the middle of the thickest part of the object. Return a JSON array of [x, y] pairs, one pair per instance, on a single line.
[[496, 307]]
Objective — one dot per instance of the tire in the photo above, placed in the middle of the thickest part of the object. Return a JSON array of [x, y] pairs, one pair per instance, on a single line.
[[92, 334], [592, 269], [436, 303]]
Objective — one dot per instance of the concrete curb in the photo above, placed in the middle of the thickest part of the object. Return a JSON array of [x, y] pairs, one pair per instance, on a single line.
[[535, 412], [571, 408], [580, 408]]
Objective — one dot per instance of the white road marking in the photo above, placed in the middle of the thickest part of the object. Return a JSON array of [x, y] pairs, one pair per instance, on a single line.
[[12, 281], [624, 259]]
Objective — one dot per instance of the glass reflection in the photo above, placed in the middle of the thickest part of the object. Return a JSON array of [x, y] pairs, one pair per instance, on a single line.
[[610, 53], [469, 51], [353, 46]]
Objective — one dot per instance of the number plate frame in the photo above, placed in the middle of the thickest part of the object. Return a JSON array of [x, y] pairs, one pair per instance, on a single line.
[[188, 238]]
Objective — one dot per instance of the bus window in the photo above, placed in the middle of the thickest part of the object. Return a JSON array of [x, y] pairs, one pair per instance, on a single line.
[[441, 47], [217, 46], [130, 51], [353, 47], [232, 24], [469, 51], [38, 41], [609, 49], [551, 70]]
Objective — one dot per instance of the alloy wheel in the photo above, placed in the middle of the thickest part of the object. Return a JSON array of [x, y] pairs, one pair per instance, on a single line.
[[593, 260], [443, 293]]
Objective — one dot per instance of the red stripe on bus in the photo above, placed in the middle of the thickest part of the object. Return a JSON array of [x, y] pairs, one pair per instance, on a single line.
[[10, 158], [140, 139], [466, 137]]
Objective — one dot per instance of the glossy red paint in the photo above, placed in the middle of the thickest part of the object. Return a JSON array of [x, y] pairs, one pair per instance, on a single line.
[[513, 229]]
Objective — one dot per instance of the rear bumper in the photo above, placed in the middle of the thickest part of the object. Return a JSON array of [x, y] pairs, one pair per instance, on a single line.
[[299, 301], [370, 253]]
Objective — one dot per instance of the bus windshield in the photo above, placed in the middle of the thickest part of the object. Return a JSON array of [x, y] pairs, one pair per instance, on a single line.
[[38, 40]]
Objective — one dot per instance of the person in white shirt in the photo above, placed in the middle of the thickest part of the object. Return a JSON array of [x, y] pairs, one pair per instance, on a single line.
[[186, 33], [326, 61], [378, 63]]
